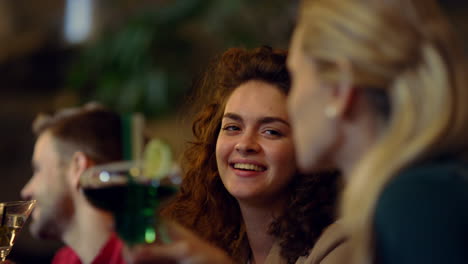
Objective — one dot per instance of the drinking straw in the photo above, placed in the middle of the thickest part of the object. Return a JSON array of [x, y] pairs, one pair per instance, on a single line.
[[2, 213], [138, 125], [132, 136], [126, 136]]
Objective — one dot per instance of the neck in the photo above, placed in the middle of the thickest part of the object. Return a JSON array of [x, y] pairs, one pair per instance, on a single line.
[[89, 231], [257, 221], [359, 136]]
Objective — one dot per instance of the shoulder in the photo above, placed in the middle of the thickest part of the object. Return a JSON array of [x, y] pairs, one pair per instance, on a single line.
[[424, 189], [332, 247], [66, 255], [421, 215], [443, 171]]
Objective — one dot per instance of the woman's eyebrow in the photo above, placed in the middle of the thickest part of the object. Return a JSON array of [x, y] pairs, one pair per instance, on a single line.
[[233, 116], [263, 120], [272, 119]]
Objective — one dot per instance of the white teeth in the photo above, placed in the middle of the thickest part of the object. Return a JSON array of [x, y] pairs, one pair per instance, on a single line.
[[246, 166]]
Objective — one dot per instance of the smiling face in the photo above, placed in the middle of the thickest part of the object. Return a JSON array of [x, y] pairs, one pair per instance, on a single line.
[[254, 150]]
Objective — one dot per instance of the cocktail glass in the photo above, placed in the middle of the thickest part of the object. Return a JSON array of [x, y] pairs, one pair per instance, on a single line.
[[13, 215], [132, 196]]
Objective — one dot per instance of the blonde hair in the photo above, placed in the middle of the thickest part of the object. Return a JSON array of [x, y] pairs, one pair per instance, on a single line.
[[403, 50]]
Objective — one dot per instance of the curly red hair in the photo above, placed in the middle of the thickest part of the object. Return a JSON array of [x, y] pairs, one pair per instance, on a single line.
[[203, 203]]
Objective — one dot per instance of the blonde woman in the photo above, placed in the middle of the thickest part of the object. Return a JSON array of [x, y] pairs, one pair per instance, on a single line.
[[381, 85], [379, 89]]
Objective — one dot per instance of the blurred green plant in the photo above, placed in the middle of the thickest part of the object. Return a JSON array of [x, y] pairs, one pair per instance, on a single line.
[[146, 65]]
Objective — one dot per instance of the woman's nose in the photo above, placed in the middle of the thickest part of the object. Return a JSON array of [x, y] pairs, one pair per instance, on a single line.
[[247, 144]]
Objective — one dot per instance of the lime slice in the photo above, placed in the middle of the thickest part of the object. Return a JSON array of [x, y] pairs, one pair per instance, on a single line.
[[157, 159]]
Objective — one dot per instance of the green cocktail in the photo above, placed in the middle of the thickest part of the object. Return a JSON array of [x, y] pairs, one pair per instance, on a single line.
[[133, 198]]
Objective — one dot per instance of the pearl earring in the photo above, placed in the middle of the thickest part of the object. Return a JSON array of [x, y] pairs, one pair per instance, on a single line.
[[331, 111]]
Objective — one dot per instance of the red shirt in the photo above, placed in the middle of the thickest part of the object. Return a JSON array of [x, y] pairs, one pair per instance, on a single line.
[[111, 253]]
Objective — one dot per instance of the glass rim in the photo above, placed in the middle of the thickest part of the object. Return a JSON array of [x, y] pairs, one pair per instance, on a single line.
[[20, 202], [137, 166], [121, 164]]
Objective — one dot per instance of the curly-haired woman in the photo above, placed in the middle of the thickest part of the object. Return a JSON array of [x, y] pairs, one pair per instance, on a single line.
[[241, 189]]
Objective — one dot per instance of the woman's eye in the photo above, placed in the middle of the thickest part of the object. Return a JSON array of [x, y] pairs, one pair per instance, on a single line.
[[273, 132], [231, 128]]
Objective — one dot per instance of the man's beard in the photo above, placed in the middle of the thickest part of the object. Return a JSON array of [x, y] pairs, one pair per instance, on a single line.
[[53, 220]]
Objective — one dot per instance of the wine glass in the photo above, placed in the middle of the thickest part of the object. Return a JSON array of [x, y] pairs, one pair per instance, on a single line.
[[13, 215], [126, 189]]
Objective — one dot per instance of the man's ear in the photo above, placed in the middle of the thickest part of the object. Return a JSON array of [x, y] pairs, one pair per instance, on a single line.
[[343, 95], [79, 163]]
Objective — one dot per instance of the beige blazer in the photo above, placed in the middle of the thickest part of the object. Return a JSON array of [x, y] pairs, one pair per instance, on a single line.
[[331, 248]]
